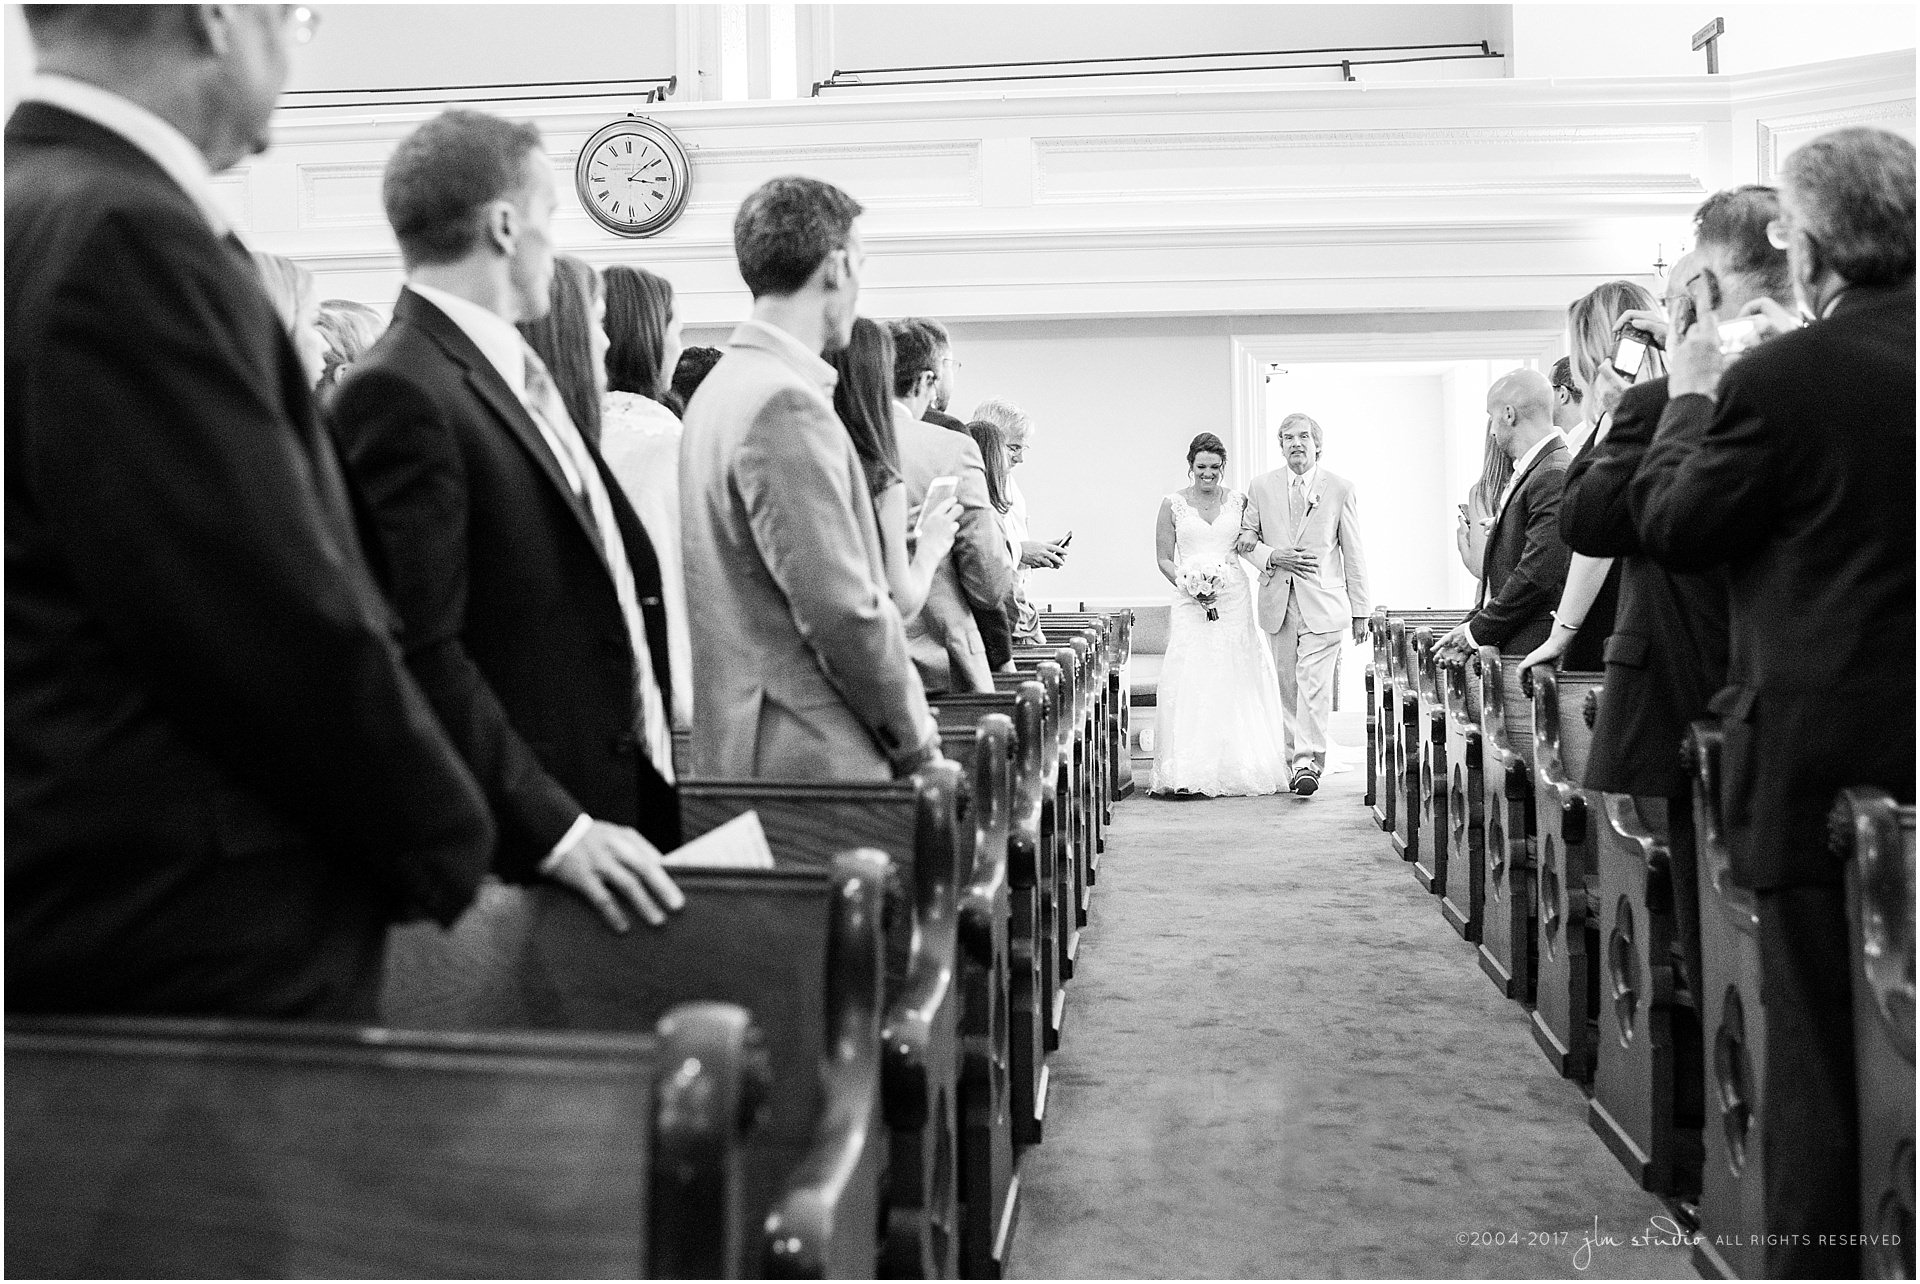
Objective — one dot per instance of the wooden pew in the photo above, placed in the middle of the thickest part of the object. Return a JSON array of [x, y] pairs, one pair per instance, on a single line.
[[916, 824], [1734, 1167], [1506, 751], [1390, 762], [1403, 670], [1647, 1080], [1065, 818], [1566, 931], [1461, 904], [989, 1178], [1432, 852], [1033, 973], [1119, 640], [1380, 721], [146, 1148], [1370, 682], [1874, 836], [1101, 635], [803, 950], [1077, 664]]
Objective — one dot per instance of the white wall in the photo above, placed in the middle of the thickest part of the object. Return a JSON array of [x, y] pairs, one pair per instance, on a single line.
[[1562, 40]]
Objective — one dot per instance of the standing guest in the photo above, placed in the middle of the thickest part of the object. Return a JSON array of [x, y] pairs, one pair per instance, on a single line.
[[1475, 517], [947, 376], [528, 589], [348, 329], [1526, 561], [689, 373], [961, 635], [1031, 553], [640, 438], [1304, 522], [1793, 467], [1569, 413], [862, 398], [1588, 601], [570, 340], [296, 301], [803, 670], [222, 783], [993, 454]]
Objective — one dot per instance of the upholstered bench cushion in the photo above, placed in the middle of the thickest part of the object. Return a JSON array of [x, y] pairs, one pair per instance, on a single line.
[[1150, 625], [1144, 671]]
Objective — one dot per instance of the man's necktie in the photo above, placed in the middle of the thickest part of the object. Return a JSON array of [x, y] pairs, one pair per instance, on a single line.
[[576, 460], [1297, 504]]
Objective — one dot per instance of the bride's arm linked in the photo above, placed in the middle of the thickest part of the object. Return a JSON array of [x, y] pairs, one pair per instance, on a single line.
[[1248, 544], [1163, 542]]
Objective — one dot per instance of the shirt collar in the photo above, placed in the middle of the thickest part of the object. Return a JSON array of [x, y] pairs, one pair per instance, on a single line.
[[160, 142], [1526, 461], [1307, 479], [499, 342], [771, 338]]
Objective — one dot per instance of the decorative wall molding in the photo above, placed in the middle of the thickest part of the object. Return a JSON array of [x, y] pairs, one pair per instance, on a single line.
[[901, 175], [1781, 134], [234, 191]]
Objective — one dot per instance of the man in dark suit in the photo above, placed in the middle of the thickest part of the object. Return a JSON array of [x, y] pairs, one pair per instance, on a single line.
[[527, 587], [1525, 564], [1793, 466], [222, 783]]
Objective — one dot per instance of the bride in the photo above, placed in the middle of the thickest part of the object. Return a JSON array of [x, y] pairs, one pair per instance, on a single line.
[[1218, 719]]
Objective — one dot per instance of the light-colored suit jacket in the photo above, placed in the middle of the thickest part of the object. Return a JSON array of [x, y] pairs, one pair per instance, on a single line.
[[800, 664], [1332, 598], [978, 573]]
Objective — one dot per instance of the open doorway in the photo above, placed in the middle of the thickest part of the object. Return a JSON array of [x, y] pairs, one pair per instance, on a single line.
[[1403, 417]]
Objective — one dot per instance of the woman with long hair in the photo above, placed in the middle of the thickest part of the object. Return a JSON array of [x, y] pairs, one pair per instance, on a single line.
[[296, 300], [1476, 515], [569, 341], [863, 398], [348, 329], [640, 440], [1595, 323]]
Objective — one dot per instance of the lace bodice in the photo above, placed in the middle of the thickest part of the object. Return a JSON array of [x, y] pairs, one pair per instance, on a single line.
[[1200, 542]]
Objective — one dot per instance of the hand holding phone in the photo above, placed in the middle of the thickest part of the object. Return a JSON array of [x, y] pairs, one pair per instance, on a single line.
[[940, 490], [1064, 540], [1629, 356]]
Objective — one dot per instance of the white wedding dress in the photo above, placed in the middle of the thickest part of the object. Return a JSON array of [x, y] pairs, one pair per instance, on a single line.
[[1217, 723]]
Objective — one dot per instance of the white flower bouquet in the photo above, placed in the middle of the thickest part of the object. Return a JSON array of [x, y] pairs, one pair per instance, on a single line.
[[1203, 585]]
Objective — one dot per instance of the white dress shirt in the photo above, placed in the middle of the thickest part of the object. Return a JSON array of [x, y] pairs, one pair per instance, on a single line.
[[164, 145]]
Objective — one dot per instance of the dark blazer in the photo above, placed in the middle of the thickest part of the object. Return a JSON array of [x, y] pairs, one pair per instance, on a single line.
[[222, 784], [510, 620], [1525, 564], [1801, 482], [1668, 652], [944, 419]]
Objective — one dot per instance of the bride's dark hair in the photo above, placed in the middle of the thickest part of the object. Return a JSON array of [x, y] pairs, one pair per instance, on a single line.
[[1209, 443]]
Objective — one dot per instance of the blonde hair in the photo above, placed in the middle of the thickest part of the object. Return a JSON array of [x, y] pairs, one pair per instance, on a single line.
[[1593, 320], [289, 285]]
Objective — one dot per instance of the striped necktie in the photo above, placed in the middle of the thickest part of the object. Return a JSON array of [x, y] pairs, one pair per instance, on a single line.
[[577, 461]]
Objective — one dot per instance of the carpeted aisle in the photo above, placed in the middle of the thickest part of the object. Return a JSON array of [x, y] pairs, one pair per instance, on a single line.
[[1280, 1062]]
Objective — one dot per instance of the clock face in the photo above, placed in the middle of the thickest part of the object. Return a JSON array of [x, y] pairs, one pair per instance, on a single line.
[[632, 176]]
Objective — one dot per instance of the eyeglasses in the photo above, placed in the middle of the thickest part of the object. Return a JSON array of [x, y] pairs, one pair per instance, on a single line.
[[302, 22]]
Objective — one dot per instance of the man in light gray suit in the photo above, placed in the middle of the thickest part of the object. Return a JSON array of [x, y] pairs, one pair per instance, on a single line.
[[800, 668], [1304, 528], [975, 581]]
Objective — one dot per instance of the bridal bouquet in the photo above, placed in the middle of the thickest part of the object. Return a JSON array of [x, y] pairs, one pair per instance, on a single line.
[[1203, 585]]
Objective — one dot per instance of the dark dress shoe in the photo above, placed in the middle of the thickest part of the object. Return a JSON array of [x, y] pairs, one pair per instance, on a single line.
[[1305, 781]]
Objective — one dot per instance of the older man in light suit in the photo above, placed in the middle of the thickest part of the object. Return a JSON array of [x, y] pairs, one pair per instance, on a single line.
[[801, 668], [1304, 529]]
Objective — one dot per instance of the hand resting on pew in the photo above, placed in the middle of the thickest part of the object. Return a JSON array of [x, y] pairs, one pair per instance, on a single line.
[[609, 859]]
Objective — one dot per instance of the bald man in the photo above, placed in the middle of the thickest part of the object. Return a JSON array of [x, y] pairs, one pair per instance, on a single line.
[[1526, 559]]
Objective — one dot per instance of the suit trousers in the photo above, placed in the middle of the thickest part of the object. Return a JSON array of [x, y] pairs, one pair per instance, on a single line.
[[1305, 664], [1809, 1114]]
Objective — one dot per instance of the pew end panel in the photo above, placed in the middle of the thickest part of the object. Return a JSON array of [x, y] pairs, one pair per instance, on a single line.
[[1566, 941], [1381, 714], [1506, 748], [803, 950], [1733, 1024], [1462, 902], [1647, 1082], [1434, 849], [1060, 825], [1406, 742], [916, 825], [1874, 836], [142, 1147]]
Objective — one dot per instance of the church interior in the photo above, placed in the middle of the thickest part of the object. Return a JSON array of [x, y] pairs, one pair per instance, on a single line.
[[1018, 1015]]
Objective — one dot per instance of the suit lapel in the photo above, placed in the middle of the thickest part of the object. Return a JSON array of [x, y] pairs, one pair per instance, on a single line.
[[1513, 495], [490, 388]]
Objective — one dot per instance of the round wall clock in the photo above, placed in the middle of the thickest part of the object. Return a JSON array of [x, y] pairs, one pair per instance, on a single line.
[[632, 176]]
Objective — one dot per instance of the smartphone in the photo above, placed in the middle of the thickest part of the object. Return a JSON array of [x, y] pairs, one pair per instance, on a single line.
[[1739, 334], [1629, 357], [1064, 540], [939, 491]]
